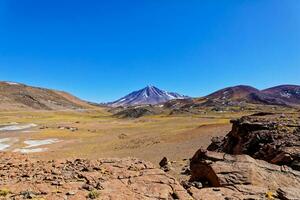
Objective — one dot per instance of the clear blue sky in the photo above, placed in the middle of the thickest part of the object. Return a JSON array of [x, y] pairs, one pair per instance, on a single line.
[[101, 50]]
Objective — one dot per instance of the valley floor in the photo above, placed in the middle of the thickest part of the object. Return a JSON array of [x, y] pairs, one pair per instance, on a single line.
[[96, 134]]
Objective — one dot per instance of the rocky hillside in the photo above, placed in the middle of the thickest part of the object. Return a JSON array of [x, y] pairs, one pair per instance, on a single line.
[[16, 96], [237, 170], [258, 159], [221, 176], [290, 94], [271, 137], [239, 93]]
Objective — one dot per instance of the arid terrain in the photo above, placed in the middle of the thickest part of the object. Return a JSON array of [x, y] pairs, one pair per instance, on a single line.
[[56, 146], [96, 133], [92, 154], [150, 100]]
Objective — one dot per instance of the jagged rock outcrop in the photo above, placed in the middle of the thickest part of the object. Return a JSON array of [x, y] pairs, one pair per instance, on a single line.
[[165, 164], [130, 178], [227, 176], [271, 137]]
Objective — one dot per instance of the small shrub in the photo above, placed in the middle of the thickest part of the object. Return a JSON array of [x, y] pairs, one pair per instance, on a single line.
[[94, 194], [4, 192], [270, 195]]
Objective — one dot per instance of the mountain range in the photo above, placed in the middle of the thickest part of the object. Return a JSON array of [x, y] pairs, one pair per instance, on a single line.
[[284, 95], [17, 96]]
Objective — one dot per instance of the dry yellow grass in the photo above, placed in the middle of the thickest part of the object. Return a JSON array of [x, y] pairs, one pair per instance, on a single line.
[[101, 135]]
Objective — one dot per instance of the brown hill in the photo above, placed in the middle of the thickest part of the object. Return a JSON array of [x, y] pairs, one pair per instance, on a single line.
[[241, 97], [239, 92], [16, 96], [290, 94], [284, 95]]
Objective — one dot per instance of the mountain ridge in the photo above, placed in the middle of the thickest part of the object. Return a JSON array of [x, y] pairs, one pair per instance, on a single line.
[[18, 96], [284, 95]]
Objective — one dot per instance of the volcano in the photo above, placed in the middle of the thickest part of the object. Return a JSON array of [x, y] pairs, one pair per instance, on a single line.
[[148, 95]]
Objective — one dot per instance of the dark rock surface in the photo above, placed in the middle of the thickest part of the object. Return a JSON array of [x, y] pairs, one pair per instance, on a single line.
[[271, 137], [135, 112]]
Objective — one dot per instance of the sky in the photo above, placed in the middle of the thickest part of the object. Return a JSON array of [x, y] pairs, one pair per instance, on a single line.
[[101, 50]]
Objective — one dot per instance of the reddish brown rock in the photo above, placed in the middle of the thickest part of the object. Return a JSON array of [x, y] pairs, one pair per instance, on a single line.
[[271, 137], [241, 177], [128, 178]]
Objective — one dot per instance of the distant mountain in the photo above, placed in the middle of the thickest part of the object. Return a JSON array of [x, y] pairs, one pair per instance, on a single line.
[[148, 95], [240, 96], [17, 96], [290, 94], [284, 95], [233, 93]]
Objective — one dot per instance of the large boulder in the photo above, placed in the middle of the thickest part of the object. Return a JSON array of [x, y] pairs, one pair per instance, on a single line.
[[227, 176], [271, 137]]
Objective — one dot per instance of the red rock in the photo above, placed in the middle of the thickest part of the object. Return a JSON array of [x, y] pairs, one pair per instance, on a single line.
[[240, 177], [272, 137], [128, 178]]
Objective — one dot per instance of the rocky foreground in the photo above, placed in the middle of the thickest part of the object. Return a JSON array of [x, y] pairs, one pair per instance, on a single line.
[[256, 160], [225, 176], [271, 137], [24, 178]]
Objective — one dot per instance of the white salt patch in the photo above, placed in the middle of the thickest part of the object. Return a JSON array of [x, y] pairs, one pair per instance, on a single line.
[[36, 150], [29, 131], [35, 143], [3, 144], [6, 143], [5, 139], [9, 124], [17, 127]]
